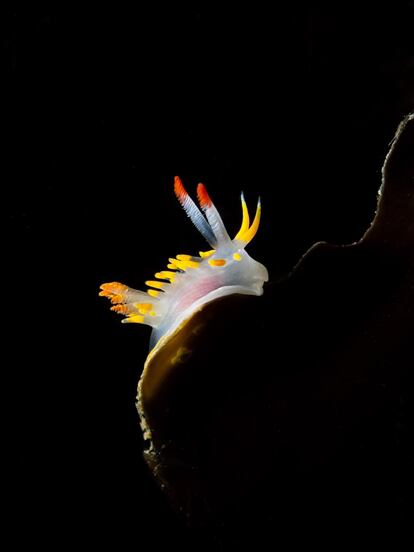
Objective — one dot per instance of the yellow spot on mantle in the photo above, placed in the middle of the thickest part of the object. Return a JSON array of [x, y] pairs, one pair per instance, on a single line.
[[165, 275], [143, 306], [153, 292], [155, 284], [204, 254], [136, 319], [183, 265], [217, 262]]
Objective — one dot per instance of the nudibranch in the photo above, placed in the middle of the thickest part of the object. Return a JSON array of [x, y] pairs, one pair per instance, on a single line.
[[192, 281]]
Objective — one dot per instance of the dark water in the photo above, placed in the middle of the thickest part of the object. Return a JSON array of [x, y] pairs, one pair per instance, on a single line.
[[102, 109]]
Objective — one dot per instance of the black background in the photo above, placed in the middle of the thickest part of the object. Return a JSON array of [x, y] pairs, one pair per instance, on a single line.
[[101, 109]]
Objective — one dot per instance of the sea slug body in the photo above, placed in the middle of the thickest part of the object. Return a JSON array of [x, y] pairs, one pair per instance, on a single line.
[[192, 281]]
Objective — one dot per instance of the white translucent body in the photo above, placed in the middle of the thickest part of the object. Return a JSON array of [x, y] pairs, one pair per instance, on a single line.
[[191, 282], [195, 287]]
